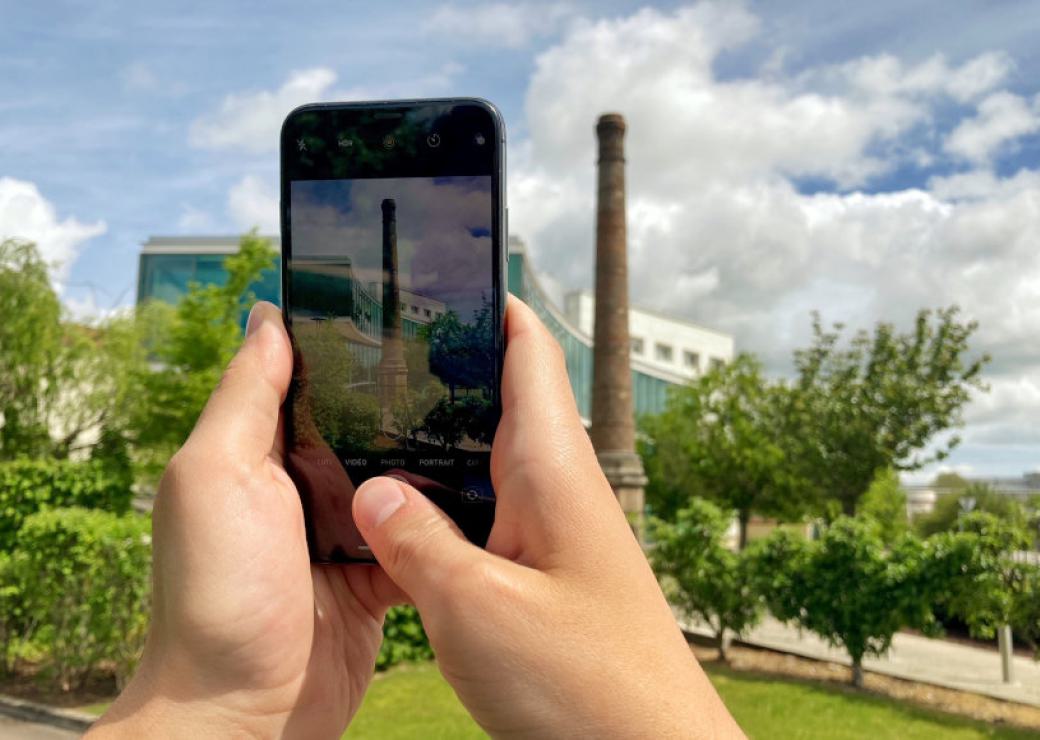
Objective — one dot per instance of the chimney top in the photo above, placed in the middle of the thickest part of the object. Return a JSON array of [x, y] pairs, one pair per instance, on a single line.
[[609, 121]]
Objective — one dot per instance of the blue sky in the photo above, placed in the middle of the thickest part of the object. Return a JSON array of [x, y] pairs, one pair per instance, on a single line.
[[863, 159]]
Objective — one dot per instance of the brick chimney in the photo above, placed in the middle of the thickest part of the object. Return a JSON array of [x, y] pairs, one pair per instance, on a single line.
[[613, 422], [392, 374]]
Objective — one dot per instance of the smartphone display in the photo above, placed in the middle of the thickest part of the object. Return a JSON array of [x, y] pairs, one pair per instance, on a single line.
[[393, 294]]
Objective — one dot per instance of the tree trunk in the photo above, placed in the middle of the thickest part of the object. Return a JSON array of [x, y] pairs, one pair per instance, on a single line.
[[743, 516], [857, 672], [848, 505], [721, 644]]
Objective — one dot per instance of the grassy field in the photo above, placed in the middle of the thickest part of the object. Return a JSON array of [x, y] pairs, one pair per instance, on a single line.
[[413, 702]]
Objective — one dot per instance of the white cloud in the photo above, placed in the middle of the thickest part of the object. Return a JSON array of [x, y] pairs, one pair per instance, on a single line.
[[251, 121], [713, 167], [1002, 117], [252, 202], [26, 214], [513, 25]]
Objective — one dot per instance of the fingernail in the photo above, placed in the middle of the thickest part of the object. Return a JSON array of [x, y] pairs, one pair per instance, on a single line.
[[254, 320], [375, 501]]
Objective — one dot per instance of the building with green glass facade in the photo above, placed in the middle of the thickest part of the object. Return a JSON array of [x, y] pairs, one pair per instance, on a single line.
[[168, 265]]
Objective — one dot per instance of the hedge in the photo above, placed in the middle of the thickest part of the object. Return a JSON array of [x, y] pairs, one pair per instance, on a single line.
[[76, 591], [29, 486]]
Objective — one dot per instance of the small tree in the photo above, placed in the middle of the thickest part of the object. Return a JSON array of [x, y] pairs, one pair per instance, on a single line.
[[950, 509], [970, 573], [725, 437], [846, 587], [882, 401], [701, 575], [885, 504]]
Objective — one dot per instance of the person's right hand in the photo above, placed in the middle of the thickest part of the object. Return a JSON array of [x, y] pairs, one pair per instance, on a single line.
[[559, 629]]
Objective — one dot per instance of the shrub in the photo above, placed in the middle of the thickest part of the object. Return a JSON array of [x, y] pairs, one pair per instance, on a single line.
[[701, 575], [404, 638], [847, 587], [29, 486], [77, 588]]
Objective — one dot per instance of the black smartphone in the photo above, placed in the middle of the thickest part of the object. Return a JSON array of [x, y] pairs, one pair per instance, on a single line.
[[393, 292]]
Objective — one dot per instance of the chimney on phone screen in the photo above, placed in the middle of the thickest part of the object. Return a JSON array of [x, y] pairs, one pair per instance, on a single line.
[[392, 374], [613, 421]]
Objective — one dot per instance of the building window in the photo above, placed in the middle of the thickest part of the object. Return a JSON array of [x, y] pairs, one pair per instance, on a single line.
[[427, 312], [415, 309], [691, 360], [663, 352], [717, 363], [637, 345]]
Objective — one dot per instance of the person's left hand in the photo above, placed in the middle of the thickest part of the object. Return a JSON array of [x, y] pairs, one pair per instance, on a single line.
[[247, 638]]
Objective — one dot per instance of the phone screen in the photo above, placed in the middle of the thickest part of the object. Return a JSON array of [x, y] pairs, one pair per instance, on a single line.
[[393, 296]]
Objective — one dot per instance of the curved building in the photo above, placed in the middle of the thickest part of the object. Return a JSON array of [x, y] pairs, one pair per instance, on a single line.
[[666, 351]]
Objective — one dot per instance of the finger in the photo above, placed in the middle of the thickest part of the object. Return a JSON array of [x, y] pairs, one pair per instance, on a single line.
[[417, 545], [240, 419], [551, 491]]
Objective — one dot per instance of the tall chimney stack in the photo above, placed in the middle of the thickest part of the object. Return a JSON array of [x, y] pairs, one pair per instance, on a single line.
[[613, 421], [392, 374]]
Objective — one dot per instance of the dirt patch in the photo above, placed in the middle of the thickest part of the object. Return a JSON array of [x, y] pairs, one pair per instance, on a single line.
[[962, 703]]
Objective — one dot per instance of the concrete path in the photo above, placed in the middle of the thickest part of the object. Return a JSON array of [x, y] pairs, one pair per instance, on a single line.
[[912, 657], [15, 729]]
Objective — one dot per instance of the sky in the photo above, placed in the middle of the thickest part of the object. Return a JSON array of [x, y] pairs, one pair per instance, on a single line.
[[861, 160], [444, 249]]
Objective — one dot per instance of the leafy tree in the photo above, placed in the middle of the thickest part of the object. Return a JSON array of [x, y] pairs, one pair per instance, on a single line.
[[62, 381], [30, 343], [846, 587], [885, 504], [725, 437], [950, 509], [881, 401], [446, 423], [971, 574], [1025, 605], [701, 575], [461, 354], [186, 349], [950, 481]]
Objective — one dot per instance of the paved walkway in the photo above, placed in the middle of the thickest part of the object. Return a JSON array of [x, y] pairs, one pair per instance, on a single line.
[[14, 729], [912, 657]]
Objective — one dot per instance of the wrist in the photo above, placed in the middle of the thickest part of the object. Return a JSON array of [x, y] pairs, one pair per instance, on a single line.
[[156, 704]]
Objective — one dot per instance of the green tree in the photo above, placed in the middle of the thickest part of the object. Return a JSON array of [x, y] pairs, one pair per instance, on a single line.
[[972, 575], [885, 504], [950, 481], [950, 509], [725, 437], [186, 348], [701, 575], [462, 355], [30, 344], [846, 587], [882, 400]]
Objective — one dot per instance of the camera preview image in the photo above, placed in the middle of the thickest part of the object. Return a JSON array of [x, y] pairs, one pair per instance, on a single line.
[[392, 316]]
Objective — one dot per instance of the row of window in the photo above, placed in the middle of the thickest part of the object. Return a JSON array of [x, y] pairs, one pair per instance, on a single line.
[[425, 312], [665, 353]]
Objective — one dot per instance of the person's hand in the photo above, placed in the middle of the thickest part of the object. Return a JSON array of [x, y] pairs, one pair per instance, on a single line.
[[559, 629], [247, 638]]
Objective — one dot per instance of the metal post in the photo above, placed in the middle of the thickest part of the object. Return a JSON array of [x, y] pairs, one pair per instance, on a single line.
[[1006, 653]]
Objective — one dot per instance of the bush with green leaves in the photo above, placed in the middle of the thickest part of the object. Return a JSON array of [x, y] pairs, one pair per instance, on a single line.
[[847, 587], [29, 486], [701, 575], [404, 638], [76, 590]]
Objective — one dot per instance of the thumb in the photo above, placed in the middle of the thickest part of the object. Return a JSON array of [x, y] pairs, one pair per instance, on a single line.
[[416, 543], [240, 419]]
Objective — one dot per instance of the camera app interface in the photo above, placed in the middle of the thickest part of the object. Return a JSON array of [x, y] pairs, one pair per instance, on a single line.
[[392, 316]]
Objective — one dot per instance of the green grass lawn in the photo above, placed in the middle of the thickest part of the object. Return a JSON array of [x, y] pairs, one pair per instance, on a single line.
[[415, 702]]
